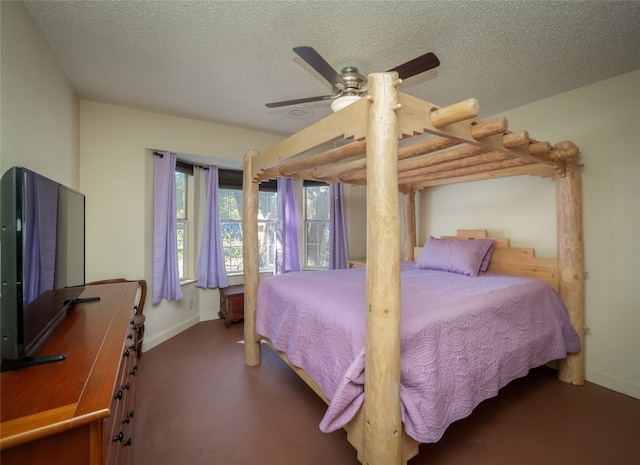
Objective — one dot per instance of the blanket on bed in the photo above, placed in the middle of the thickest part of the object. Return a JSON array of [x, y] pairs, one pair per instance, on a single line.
[[462, 338]]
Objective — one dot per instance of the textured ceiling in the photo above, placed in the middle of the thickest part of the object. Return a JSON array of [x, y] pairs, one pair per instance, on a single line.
[[221, 61]]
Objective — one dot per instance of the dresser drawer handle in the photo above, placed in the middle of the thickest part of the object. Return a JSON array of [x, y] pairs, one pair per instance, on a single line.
[[134, 370], [126, 354], [130, 336], [128, 443], [118, 395], [128, 418], [126, 386], [119, 437]]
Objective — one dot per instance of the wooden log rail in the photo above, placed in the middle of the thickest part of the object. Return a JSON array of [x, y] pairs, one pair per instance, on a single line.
[[527, 169], [426, 164], [510, 140], [347, 163], [348, 123], [354, 171], [452, 125], [491, 162], [461, 111], [415, 150], [451, 168], [439, 117], [334, 155], [412, 122]]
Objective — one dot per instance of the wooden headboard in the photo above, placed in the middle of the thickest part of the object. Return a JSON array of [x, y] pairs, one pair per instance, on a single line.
[[518, 261]]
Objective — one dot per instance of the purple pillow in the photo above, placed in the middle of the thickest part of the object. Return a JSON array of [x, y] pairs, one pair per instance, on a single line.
[[467, 257], [484, 266]]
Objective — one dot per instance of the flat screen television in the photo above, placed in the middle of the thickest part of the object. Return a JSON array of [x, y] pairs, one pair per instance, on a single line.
[[43, 262]]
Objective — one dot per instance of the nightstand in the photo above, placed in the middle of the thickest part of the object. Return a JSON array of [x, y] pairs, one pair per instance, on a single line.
[[231, 304]]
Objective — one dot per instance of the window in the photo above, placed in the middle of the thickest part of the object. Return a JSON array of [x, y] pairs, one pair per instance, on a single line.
[[230, 204], [316, 225], [184, 207], [181, 222]]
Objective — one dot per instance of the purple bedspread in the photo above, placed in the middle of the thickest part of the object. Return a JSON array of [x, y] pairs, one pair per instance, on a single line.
[[463, 338]]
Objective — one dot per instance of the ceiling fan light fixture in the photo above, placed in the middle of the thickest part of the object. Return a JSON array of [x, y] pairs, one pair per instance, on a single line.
[[341, 102]]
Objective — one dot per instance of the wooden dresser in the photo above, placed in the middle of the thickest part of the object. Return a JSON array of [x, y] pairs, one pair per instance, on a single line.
[[78, 411]]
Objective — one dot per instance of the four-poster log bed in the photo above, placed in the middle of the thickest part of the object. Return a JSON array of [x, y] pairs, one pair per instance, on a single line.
[[463, 149]]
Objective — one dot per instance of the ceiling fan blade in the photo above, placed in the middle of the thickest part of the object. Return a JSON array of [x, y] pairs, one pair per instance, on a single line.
[[318, 63], [417, 65], [300, 100]]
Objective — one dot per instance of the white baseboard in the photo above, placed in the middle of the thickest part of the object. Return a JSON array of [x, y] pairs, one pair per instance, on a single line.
[[150, 343], [614, 383], [207, 316]]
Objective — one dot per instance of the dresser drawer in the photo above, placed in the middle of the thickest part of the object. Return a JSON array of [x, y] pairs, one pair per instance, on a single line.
[[118, 428]]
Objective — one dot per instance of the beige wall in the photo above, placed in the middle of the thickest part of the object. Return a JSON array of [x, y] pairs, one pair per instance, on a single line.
[[603, 119], [117, 178], [39, 111]]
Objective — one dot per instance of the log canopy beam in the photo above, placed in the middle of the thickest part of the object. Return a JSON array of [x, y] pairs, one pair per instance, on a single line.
[[413, 121], [490, 172], [451, 126], [348, 123], [335, 155]]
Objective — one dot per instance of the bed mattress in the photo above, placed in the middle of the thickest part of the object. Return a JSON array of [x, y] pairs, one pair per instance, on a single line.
[[462, 338]]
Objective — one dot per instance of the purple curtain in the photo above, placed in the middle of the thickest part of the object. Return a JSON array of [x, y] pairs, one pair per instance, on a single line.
[[287, 257], [338, 250], [211, 270], [166, 278], [40, 234]]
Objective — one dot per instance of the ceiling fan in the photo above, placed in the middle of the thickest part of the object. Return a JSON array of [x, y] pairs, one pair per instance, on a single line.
[[349, 84]]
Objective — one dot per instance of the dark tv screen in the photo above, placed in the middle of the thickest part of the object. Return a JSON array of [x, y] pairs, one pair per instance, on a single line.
[[43, 257]]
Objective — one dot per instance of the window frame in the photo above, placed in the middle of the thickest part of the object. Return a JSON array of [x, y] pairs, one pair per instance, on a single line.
[[185, 264], [229, 179], [317, 222]]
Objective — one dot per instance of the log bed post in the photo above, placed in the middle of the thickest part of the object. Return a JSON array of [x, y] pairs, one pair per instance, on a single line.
[[409, 223], [571, 264], [382, 416], [252, 353]]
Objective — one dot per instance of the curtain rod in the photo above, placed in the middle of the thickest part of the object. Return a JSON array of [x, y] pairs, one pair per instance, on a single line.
[[161, 155]]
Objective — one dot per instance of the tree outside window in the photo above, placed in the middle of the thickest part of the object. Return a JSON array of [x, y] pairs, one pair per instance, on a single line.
[[230, 204]]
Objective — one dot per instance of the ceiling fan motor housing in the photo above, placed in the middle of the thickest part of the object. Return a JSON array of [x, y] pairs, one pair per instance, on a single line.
[[352, 78]]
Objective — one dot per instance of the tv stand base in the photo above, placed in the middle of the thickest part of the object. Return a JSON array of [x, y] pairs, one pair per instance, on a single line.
[[15, 364]]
